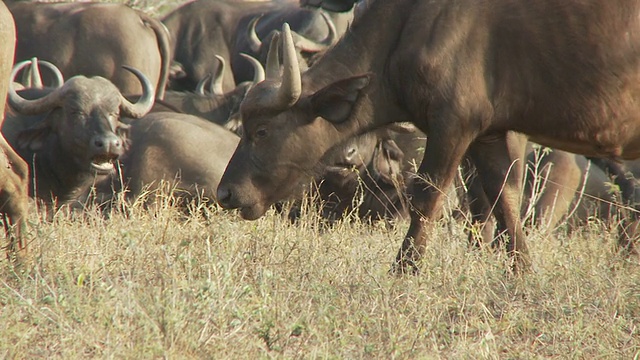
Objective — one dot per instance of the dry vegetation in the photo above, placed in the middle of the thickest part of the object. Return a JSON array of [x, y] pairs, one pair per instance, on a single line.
[[163, 284]]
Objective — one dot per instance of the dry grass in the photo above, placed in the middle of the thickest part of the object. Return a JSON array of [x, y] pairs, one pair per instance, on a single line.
[[162, 284]]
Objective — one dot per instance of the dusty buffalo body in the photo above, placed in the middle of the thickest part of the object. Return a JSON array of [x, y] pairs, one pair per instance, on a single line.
[[94, 39], [71, 134], [465, 72], [214, 104], [562, 186], [180, 152], [203, 29], [14, 171], [362, 176]]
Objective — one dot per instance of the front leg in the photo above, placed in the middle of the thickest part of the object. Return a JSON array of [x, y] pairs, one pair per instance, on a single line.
[[446, 146]]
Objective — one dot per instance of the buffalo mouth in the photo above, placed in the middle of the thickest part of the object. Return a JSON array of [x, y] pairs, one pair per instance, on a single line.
[[252, 212], [341, 173], [103, 164]]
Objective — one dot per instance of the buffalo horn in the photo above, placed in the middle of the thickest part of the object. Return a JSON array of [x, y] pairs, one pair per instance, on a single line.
[[308, 45], [33, 77], [273, 60], [37, 82], [201, 84], [258, 70], [30, 107], [255, 44], [291, 86], [145, 103], [216, 83]]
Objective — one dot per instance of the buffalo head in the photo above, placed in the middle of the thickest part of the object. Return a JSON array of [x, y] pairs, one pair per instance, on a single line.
[[83, 116], [303, 44], [366, 171], [286, 133]]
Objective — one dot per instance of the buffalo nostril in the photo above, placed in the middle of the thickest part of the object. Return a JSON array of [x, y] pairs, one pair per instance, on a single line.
[[106, 143], [224, 196]]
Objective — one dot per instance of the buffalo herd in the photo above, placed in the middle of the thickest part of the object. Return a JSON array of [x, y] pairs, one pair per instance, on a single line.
[[530, 110]]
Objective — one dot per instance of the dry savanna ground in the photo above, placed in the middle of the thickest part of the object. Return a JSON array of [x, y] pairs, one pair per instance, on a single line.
[[156, 283], [159, 283]]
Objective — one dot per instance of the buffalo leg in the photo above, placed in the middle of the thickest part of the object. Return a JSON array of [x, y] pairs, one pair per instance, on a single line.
[[14, 200], [482, 223], [500, 164], [444, 152]]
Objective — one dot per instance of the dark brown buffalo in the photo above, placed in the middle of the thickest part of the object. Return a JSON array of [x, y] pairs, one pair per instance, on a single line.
[[565, 74], [94, 39], [330, 5], [182, 152], [363, 176], [203, 29], [565, 187], [213, 104], [71, 134], [14, 172]]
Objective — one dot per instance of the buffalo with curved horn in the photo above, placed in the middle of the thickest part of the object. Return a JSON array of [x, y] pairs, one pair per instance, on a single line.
[[73, 133], [459, 71]]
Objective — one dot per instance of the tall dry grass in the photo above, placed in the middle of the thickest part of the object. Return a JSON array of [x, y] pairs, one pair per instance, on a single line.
[[159, 283], [156, 283]]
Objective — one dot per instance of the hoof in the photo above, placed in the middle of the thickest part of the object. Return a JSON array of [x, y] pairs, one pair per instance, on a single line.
[[404, 267]]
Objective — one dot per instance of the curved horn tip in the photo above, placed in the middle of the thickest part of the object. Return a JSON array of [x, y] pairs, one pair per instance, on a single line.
[[273, 61], [286, 28], [255, 43], [220, 58], [291, 87], [29, 107], [57, 74], [146, 101], [217, 87], [258, 69], [202, 83]]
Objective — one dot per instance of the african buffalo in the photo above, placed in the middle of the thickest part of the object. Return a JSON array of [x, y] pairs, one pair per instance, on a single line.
[[14, 172], [203, 29], [363, 176], [318, 25], [564, 186], [330, 5], [94, 39], [565, 74], [184, 151], [213, 104], [71, 134]]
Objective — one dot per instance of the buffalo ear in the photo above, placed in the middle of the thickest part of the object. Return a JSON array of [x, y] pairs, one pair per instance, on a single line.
[[387, 162], [34, 137], [335, 101], [177, 71]]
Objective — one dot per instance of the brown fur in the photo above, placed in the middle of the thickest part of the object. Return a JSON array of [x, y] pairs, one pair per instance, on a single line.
[[70, 142], [203, 29], [467, 73], [14, 172], [94, 39], [185, 152]]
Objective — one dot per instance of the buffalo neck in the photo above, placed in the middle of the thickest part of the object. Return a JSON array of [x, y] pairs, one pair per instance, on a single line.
[[364, 49], [56, 175]]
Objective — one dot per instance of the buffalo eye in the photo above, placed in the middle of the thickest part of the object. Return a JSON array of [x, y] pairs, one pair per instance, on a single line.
[[261, 133]]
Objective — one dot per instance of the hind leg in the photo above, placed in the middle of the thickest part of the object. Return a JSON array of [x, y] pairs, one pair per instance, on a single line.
[[500, 166]]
